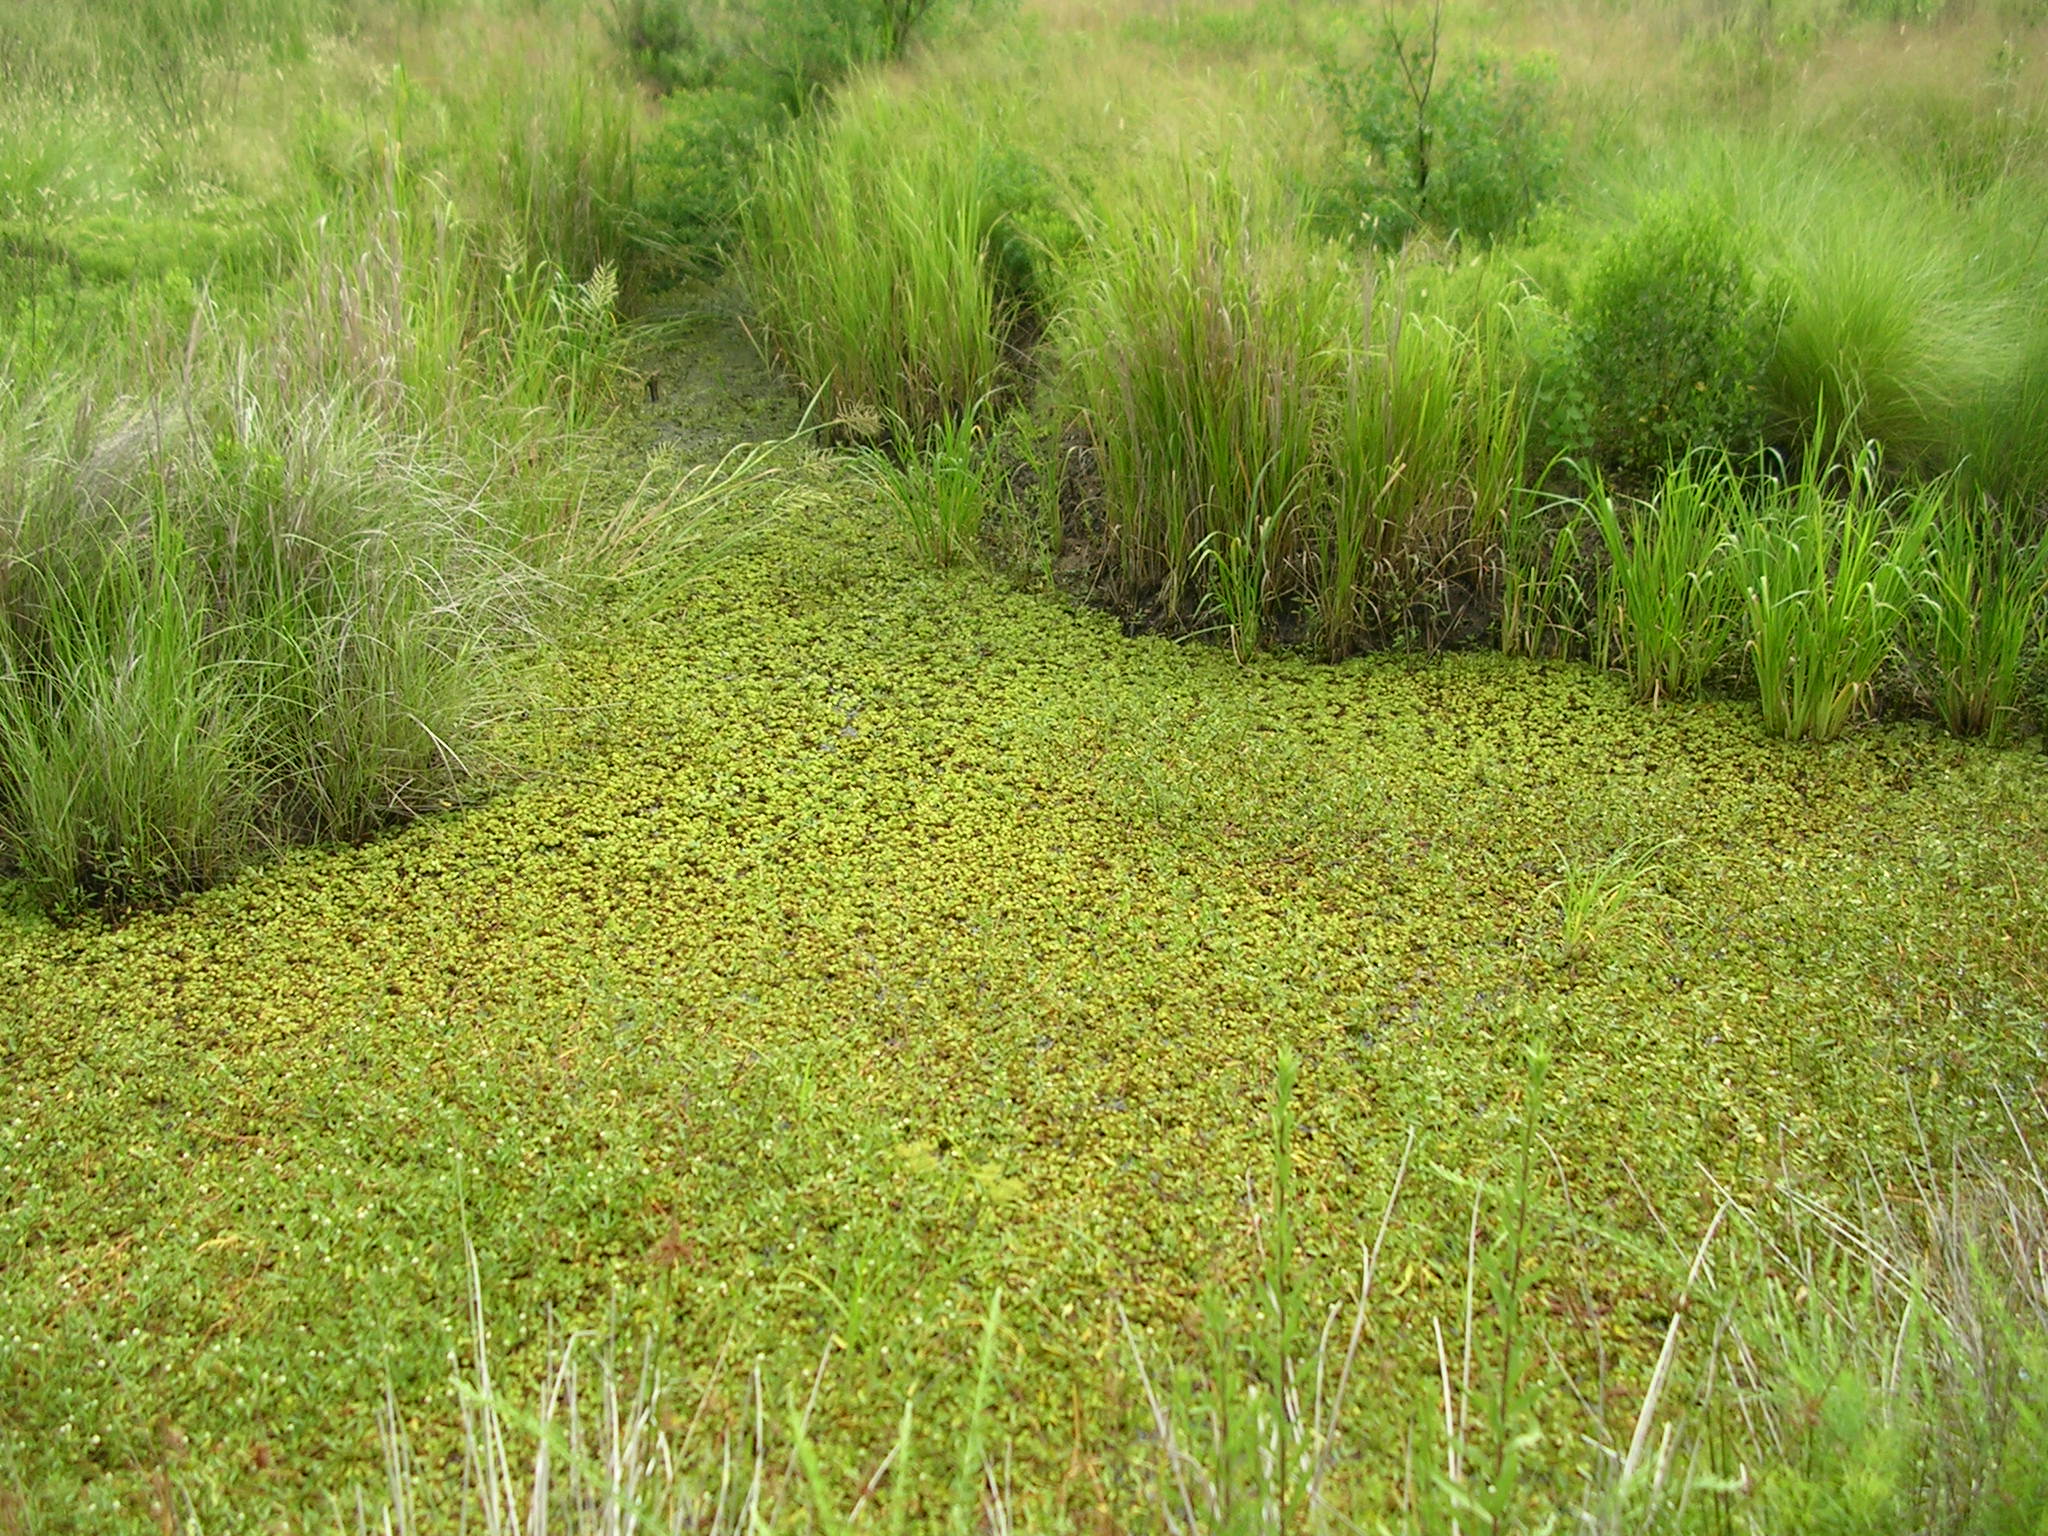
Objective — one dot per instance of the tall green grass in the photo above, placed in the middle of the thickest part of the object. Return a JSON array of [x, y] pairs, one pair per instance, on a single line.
[[1425, 459], [1670, 604], [871, 268], [1909, 316], [263, 543], [1830, 568], [942, 489], [1981, 616], [1278, 441], [1204, 365], [232, 619]]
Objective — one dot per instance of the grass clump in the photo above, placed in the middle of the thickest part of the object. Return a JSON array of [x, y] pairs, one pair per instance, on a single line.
[[230, 622], [1200, 362], [942, 490], [1281, 447], [1980, 618], [870, 269], [1830, 567], [1670, 605]]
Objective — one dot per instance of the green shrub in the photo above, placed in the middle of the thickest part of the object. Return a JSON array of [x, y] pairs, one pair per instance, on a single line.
[[1904, 317], [1466, 149], [791, 52], [694, 170], [669, 43], [1672, 332]]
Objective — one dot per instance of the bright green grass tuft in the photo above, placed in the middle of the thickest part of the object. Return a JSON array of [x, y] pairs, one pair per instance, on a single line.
[[231, 622], [1830, 567], [943, 490], [1670, 606], [871, 268], [1981, 616]]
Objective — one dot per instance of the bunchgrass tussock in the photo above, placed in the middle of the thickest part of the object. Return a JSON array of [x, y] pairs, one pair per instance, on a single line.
[[1830, 569], [1980, 618], [677, 521], [1280, 440], [1598, 899], [867, 239], [1199, 360], [942, 487], [1546, 607], [1425, 452], [231, 620], [1670, 606]]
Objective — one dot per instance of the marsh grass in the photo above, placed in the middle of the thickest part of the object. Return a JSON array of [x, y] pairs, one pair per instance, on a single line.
[[232, 620], [1280, 445], [870, 269], [610, 1446], [1600, 899], [1980, 618], [680, 518], [1546, 607], [1830, 568], [1427, 454], [942, 489], [1200, 364], [1670, 606], [278, 503]]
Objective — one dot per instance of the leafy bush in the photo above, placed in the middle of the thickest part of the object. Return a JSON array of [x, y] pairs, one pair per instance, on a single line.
[[668, 43], [694, 170], [1673, 330], [789, 51], [1466, 149]]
